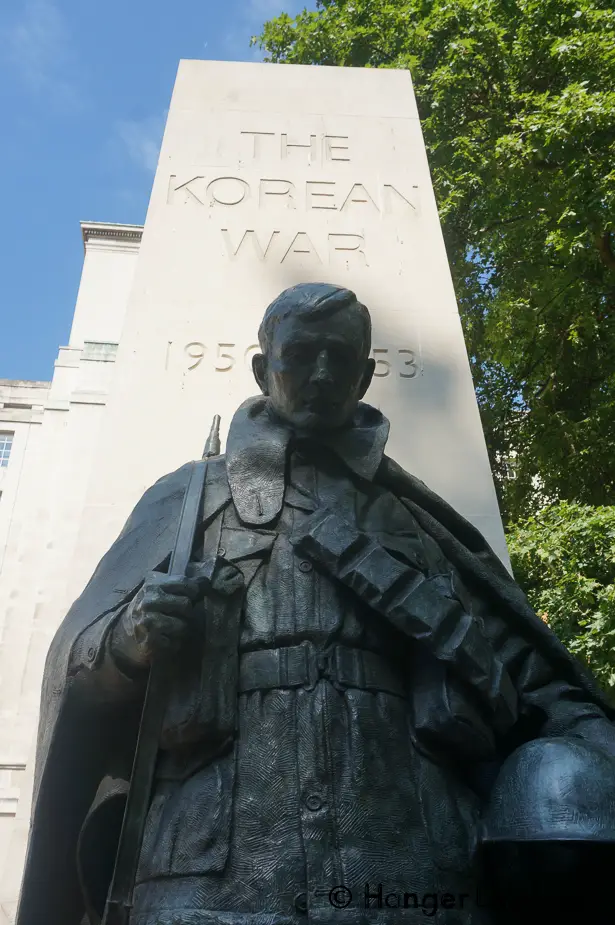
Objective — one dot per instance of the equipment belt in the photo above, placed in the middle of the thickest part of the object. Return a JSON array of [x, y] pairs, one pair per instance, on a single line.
[[304, 665]]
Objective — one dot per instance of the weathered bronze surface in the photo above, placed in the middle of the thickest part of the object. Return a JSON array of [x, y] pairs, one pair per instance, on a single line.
[[353, 673]]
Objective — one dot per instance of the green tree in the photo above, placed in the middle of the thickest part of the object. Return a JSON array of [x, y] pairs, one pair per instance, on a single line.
[[564, 557], [518, 111]]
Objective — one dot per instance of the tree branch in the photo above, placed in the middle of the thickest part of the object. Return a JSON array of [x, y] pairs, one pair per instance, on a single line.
[[509, 221], [603, 243]]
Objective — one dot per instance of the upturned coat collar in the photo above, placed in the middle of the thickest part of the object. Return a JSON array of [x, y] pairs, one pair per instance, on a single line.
[[256, 452]]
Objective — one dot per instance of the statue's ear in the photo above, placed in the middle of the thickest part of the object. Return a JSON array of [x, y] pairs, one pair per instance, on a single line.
[[259, 368], [367, 377]]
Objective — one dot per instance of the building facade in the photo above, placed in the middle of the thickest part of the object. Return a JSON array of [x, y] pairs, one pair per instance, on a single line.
[[48, 438]]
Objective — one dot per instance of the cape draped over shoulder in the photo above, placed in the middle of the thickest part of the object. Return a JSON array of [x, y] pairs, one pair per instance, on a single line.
[[80, 743]]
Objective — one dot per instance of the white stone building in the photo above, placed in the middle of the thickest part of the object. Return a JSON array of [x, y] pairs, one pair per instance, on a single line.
[[48, 433]]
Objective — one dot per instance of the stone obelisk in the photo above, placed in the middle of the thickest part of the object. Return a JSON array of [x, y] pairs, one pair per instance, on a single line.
[[270, 175]]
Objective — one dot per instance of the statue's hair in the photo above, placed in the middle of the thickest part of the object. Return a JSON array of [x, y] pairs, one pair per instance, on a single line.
[[312, 302]]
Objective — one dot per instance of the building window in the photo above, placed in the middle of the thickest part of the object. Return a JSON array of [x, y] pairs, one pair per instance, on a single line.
[[6, 444]]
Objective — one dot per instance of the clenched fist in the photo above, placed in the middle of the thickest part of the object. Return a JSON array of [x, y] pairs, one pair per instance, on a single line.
[[157, 620]]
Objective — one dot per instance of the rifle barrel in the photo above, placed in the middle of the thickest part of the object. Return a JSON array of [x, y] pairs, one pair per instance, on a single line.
[[212, 444]]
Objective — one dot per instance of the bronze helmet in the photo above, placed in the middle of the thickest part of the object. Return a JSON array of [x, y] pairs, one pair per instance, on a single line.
[[547, 840], [553, 789]]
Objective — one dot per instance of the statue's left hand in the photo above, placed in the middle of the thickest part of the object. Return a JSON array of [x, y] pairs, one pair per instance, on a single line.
[[160, 616], [157, 619]]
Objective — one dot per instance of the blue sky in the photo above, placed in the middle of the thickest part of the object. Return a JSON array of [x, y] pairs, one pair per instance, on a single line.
[[84, 89]]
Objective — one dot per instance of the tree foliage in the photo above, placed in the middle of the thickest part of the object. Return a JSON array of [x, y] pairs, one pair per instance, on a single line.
[[517, 103], [564, 557]]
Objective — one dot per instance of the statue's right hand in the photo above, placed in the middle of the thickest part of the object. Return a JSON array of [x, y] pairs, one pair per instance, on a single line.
[[157, 620]]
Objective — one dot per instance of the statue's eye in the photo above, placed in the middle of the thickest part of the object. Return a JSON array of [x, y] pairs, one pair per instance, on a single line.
[[341, 353], [298, 353]]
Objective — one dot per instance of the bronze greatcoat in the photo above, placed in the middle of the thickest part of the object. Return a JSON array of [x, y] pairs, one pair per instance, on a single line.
[[347, 751]]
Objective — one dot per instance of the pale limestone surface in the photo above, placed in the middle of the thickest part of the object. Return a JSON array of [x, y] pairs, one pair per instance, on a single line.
[[21, 414], [44, 488], [269, 175]]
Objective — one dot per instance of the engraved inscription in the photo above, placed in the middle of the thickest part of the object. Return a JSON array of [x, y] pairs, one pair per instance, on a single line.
[[224, 355], [228, 191], [287, 147], [393, 199], [410, 365], [249, 353], [347, 244], [401, 362], [358, 195], [249, 237], [319, 194], [313, 148], [395, 362], [224, 359], [186, 188], [335, 146], [301, 244], [282, 247], [195, 350], [258, 141], [278, 192], [383, 366]]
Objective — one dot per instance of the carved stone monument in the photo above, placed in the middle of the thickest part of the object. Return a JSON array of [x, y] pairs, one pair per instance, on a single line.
[[272, 175], [332, 701]]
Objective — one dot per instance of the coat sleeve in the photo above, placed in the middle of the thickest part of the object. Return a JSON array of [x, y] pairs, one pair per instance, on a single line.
[[80, 739], [549, 703], [94, 672], [488, 580]]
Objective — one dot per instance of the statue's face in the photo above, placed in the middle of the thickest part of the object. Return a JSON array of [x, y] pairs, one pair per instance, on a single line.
[[315, 372]]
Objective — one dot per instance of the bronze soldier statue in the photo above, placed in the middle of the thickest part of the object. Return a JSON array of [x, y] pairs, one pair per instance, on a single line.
[[365, 718]]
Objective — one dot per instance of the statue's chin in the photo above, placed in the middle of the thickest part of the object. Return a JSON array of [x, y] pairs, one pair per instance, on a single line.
[[312, 422]]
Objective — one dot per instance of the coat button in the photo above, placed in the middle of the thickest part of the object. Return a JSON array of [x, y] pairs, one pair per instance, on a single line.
[[221, 551], [91, 654], [301, 902], [313, 802], [305, 566]]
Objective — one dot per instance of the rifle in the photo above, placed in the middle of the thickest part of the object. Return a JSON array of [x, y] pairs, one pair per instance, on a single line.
[[120, 897]]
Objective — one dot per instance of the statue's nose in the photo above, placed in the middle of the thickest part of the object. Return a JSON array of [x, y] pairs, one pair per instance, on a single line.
[[322, 373]]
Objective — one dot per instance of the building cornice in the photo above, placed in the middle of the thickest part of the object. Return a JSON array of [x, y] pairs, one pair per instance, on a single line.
[[103, 232], [24, 384]]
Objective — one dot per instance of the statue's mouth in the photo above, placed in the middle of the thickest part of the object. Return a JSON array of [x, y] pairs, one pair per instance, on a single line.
[[321, 403]]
